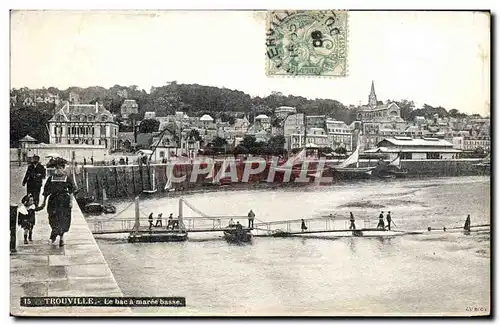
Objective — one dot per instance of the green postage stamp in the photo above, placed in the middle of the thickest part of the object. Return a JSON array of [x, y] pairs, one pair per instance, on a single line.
[[306, 43]]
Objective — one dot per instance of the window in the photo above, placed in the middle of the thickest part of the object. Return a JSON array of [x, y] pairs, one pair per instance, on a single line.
[[405, 156], [431, 156], [103, 130], [162, 154]]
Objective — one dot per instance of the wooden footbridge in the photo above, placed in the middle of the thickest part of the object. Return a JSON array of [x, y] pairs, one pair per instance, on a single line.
[[336, 225]]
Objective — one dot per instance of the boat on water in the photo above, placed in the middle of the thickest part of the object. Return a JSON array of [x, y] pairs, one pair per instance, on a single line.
[[98, 208], [174, 231], [237, 235], [392, 170], [345, 171]]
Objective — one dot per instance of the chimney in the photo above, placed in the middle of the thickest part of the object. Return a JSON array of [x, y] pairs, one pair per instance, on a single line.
[[67, 106]]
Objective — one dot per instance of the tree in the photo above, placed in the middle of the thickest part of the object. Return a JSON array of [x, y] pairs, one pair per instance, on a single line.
[[407, 108], [149, 125], [195, 135], [248, 142], [276, 145], [219, 142]]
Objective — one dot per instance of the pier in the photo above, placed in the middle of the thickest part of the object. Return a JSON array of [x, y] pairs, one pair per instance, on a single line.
[[42, 269]]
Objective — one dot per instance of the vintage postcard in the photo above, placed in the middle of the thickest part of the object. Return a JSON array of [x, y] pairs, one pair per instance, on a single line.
[[304, 163]]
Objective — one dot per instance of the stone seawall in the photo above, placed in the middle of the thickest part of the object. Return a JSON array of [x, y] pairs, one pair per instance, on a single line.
[[127, 181]]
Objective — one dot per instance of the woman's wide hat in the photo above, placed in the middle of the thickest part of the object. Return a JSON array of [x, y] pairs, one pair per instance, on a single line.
[[57, 162]]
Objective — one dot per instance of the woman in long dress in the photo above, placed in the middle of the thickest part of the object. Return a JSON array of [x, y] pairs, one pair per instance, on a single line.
[[58, 189]]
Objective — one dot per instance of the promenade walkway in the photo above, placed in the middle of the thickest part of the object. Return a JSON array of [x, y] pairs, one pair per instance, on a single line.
[[43, 269]]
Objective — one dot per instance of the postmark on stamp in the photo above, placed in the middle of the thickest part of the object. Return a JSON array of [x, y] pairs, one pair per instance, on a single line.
[[306, 43]]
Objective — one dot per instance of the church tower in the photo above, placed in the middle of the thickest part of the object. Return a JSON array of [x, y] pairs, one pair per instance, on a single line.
[[372, 99]]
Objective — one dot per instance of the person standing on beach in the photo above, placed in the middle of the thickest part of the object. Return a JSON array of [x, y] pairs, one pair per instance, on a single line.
[[33, 179], [59, 190]]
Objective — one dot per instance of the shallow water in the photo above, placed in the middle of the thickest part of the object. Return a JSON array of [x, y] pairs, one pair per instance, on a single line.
[[415, 274]]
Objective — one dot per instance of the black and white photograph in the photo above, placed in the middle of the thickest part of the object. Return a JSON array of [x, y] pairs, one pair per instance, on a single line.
[[244, 163]]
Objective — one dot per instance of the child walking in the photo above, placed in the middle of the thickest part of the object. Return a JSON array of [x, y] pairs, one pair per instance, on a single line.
[[26, 216]]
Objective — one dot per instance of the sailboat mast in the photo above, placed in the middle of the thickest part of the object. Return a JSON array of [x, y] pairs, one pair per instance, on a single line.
[[305, 131]]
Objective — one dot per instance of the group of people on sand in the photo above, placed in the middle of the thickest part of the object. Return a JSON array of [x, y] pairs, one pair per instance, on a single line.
[[171, 222], [57, 197]]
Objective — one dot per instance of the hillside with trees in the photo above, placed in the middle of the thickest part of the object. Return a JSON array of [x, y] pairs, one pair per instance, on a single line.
[[30, 116]]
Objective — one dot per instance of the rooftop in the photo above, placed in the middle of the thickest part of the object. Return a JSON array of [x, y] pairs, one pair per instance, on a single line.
[[27, 138], [206, 117], [408, 141], [261, 116]]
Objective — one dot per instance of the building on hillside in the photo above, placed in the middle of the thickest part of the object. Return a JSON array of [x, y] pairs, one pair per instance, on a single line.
[[262, 122], [89, 124], [376, 116], [241, 126], [284, 111], [126, 141], [149, 115], [340, 134], [294, 124], [74, 98], [473, 143], [416, 148], [316, 121], [314, 138], [207, 122], [129, 107]]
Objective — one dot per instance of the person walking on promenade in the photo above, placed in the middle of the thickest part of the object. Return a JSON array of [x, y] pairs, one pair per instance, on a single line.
[[467, 224], [26, 213], [381, 224], [84, 161], [389, 220], [92, 160], [159, 222], [251, 217], [33, 179], [126, 160], [59, 189], [351, 219], [303, 226], [150, 219]]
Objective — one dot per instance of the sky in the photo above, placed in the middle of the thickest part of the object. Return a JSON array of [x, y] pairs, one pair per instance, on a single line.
[[438, 58]]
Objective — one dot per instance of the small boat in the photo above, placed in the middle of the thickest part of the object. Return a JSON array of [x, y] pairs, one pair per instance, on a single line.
[[158, 236], [237, 235], [394, 169], [97, 208], [343, 170]]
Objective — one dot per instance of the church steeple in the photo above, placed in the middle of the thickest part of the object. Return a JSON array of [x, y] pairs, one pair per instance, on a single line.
[[372, 99]]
